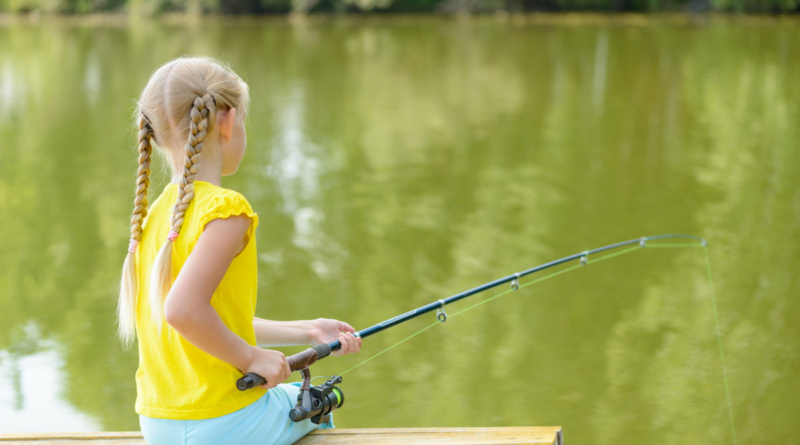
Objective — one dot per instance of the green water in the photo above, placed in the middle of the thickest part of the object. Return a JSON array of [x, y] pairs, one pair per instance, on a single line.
[[396, 161]]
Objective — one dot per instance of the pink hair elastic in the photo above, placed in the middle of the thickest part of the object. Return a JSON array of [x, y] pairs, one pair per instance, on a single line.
[[172, 236], [133, 245]]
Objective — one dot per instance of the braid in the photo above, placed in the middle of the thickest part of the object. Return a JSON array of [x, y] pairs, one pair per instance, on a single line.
[[201, 113], [129, 288], [142, 180], [201, 117]]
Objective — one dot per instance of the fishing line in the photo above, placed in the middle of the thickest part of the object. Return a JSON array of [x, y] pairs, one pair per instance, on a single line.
[[719, 343], [585, 262]]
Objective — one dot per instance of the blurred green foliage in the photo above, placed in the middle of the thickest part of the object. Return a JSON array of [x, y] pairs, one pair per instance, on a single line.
[[151, 7]]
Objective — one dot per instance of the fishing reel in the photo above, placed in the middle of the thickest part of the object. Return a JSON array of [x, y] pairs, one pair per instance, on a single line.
[[318, 402]]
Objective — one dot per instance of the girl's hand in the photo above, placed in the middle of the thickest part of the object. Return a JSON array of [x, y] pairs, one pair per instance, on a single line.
[[270, 364], [325, 330]]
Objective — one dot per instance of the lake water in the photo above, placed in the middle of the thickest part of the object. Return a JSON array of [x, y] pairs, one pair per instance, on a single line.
[[397, 161]]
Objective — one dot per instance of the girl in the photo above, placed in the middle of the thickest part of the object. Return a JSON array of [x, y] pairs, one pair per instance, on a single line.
[[188, 288]]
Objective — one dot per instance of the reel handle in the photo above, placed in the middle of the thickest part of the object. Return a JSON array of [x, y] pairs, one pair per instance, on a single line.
[[298, 413], [298, 361]]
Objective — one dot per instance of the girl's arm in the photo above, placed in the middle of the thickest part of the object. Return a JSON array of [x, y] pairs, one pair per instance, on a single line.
[[306, 332], [270, 333], [188, 305]]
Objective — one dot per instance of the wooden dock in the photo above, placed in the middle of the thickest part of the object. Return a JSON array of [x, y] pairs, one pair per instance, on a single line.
[[388, 436]]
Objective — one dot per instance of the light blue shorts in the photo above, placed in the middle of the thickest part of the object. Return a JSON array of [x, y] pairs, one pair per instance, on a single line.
[[263, 422]]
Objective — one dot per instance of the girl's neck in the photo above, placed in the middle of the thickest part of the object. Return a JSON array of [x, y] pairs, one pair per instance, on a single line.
[[211, 180], [210, 170]]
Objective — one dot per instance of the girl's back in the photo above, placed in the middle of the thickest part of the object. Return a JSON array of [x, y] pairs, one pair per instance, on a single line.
[[176, 380]]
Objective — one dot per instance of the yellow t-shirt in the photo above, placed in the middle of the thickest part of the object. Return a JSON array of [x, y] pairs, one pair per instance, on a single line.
[[176, 380]]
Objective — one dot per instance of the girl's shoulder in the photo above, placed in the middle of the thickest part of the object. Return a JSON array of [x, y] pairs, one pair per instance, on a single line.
[[215, 202], [209, 202]]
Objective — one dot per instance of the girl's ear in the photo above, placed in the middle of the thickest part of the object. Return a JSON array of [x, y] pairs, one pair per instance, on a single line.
[[225, 121]]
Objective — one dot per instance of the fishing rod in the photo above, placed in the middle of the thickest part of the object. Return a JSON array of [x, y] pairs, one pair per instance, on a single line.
[[318, 402]]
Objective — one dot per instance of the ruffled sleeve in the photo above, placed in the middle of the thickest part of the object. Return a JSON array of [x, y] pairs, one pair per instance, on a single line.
[[225, 204]]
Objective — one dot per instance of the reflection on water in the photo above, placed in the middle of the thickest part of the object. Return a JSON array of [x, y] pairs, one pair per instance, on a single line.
[[31, 384], [398, 161]]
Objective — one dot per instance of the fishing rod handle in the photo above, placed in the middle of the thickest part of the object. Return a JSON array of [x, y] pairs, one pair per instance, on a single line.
[[304, 359], [250, 380], [297, 362]]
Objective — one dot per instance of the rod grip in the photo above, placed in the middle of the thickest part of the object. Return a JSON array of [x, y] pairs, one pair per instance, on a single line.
[[301, 360], [250, 380], [304, 359]]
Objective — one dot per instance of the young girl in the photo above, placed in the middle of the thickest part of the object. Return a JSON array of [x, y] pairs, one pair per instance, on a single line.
[[188, 288]]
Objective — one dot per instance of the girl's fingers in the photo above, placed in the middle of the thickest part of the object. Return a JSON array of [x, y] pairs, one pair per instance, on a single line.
[[354, 344], [286, 369], [347, 328], [349, 344]]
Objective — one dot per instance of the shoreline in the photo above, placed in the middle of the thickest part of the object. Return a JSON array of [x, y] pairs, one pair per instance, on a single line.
[[526, 18]]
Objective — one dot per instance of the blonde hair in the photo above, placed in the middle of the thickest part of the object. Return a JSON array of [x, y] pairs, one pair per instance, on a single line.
[[180, 102]]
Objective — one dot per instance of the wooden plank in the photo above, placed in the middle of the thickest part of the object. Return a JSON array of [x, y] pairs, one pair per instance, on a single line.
[[437, 436], [387, 436], [102, 438]]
